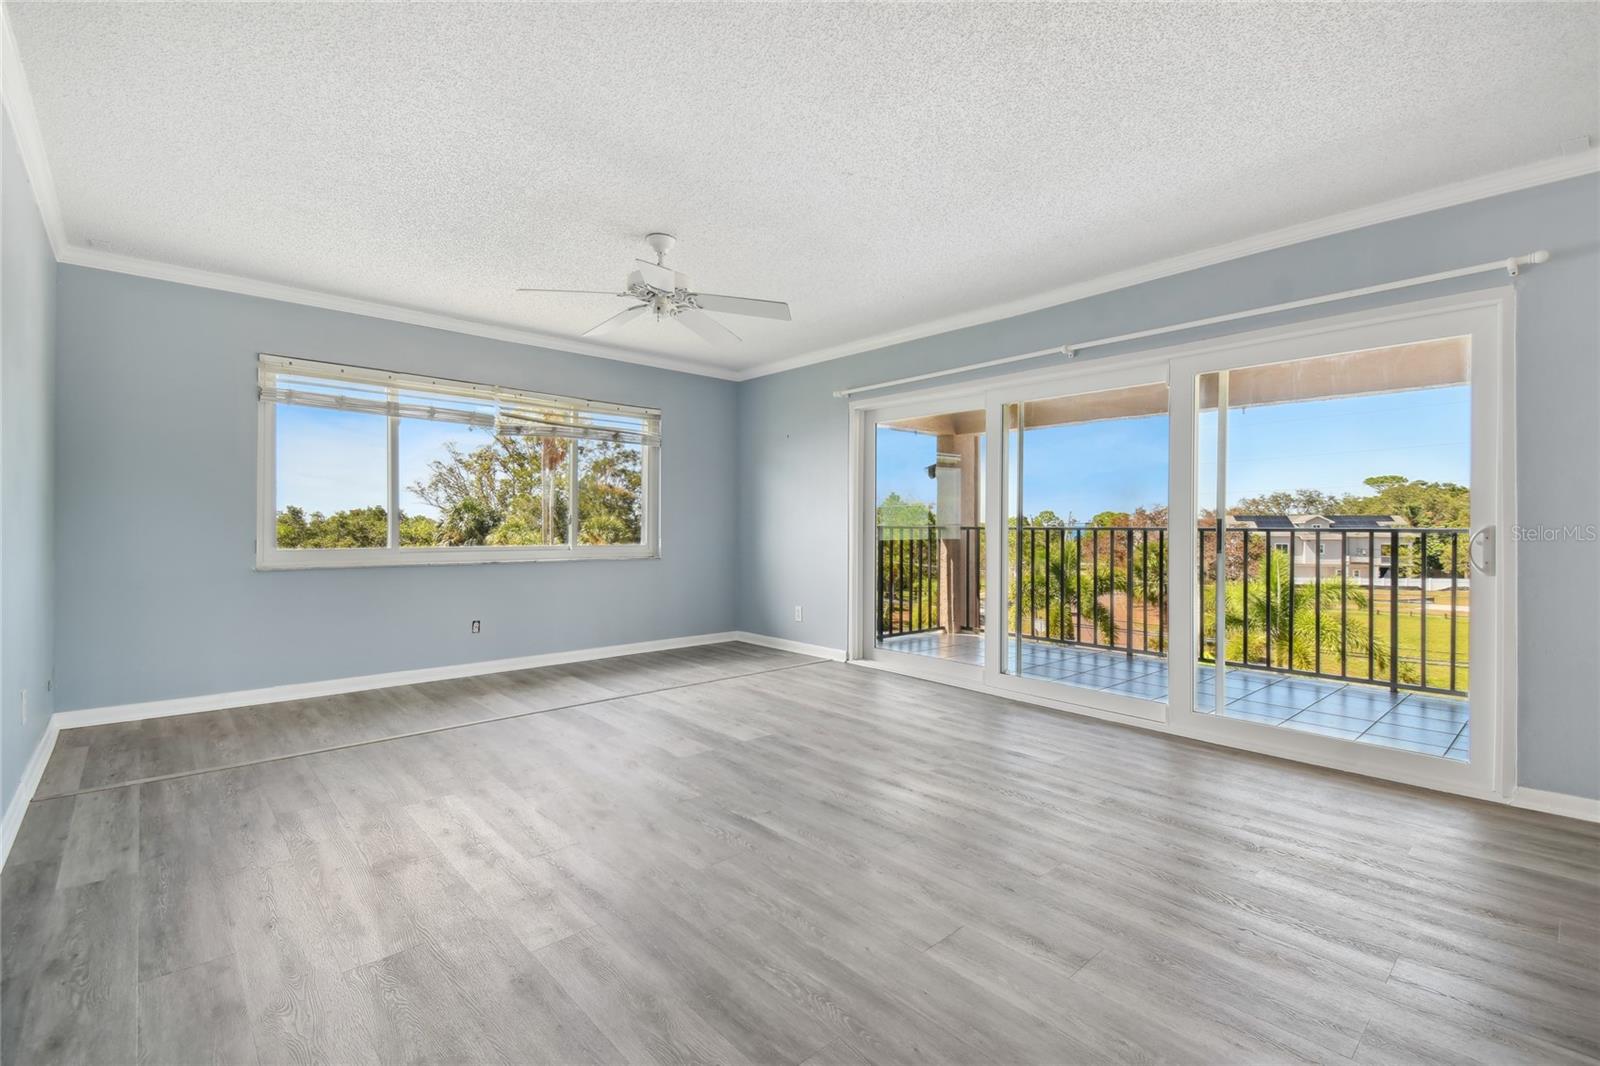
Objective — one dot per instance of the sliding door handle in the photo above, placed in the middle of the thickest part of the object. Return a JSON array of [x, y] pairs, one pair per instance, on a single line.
[[1483, 538]]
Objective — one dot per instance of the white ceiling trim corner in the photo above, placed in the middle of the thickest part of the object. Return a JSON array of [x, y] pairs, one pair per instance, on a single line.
[[99, 259], [1527, 177], [1531, 176], [18, 102]]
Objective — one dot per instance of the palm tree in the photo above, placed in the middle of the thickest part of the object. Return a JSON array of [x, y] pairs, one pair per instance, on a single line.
[[1297, 632], [1065, 597]]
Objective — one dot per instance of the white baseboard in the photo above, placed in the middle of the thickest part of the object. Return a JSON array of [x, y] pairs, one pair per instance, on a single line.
[[819, 651], [1536, 799], [31, 775], [216, 701], [1557, 803], [1532, 799]]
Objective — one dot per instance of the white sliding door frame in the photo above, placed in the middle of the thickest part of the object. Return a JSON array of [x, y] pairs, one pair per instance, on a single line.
[[1486, 320], [862, 637], [1087, 378], [1487, 316]]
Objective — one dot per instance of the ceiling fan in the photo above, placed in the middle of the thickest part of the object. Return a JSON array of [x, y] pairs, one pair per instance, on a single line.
[[665, 292]]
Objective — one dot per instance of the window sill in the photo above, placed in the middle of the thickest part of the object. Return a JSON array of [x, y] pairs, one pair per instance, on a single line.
[[351, 558]]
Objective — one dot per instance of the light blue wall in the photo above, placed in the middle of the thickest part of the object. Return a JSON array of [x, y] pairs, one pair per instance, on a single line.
[[27, 341], [156, 593], [793, 434]]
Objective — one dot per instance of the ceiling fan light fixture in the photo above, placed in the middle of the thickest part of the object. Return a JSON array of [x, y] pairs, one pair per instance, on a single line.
[[659, 290]]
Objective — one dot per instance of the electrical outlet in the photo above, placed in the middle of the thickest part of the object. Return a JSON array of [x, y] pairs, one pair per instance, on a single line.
[[799, 615], [476, 625]]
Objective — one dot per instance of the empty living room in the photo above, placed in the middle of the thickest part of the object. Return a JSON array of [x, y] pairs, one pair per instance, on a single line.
[[800, 533]]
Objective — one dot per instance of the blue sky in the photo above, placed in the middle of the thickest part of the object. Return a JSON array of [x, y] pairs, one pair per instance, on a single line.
[[332, 460], [1330, 445]]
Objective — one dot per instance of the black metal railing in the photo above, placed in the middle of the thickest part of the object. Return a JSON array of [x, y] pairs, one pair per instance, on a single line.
[[1379, 604], [916, 563], [1094, 586]]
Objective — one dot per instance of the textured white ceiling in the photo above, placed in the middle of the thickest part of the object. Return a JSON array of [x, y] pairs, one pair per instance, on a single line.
[[876, 166]]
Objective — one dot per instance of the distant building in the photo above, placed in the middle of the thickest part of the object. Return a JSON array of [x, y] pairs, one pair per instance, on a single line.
[[1337, 549]]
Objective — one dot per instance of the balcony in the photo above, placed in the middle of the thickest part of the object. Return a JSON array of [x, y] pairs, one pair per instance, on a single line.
[[1351, 630]]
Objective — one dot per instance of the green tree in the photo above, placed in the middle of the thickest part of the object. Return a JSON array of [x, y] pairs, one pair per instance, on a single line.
[[1299, 501], [292, 527], [519, 482], [469, 521], [895, 510], [610, 500], [1299, 629], [1064, 588], [418, 530], [358, 527], [509, 491], [1431, 504]]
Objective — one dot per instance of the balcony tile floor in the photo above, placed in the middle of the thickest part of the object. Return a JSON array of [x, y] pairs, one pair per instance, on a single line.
[[1432, 725]]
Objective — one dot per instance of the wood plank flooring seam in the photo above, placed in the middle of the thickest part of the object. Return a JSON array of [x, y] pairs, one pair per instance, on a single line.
[[418, 733], [821, 867], [942, 939]]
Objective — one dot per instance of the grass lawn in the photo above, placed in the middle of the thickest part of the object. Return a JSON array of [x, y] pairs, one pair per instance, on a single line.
[[1410, 642], [1410, 632]]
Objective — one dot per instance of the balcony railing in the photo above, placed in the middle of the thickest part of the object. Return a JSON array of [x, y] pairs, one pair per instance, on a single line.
[[915, 566], [1381, 605], [1095, 586]]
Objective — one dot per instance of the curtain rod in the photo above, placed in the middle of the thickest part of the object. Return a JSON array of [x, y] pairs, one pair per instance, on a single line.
[[1512, 266]]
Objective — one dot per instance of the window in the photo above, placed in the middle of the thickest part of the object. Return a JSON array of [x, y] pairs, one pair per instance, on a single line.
[[368, 468]]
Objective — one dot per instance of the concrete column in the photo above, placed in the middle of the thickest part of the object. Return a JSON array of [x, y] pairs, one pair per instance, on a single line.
[[955, 573]]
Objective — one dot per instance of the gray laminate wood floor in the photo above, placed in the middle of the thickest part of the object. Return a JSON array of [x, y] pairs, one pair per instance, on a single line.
[[735, 854]]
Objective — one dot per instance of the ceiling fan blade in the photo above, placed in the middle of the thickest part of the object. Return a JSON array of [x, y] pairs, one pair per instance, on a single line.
[[740, 305], [576, 292], [621, 318], [656, 276], [708, 328]]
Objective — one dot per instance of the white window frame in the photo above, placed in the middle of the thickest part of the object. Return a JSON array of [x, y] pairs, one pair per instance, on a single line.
[[270, 557]]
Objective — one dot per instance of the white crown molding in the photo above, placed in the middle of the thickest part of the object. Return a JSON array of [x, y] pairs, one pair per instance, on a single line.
[[18, 101], [1480, 188], [1552, 170], [98, 259]]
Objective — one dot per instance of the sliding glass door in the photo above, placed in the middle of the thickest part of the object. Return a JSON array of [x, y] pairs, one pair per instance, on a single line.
[[1343, 507], [1083, 567], [926, 569], [1285, 542]]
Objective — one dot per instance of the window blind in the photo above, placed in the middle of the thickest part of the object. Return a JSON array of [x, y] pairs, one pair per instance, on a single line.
[[511, 412]]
